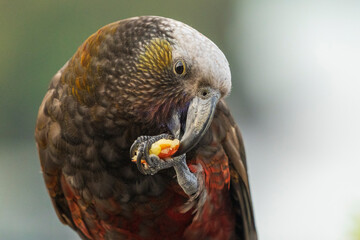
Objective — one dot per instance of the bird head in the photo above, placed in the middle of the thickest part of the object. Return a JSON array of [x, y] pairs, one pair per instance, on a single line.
[[155, 71]]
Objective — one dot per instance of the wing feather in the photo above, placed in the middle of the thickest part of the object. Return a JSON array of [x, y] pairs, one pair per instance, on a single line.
[[239, 183], [45, 132]]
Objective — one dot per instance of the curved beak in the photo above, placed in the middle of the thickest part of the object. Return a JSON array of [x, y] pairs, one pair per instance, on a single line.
[[199, 117]]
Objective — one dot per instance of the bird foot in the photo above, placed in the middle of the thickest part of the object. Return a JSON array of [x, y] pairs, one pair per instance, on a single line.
[[150, 164], [198, 198]]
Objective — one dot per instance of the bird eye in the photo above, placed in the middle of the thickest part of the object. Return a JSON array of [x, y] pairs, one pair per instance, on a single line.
[[179, 68]]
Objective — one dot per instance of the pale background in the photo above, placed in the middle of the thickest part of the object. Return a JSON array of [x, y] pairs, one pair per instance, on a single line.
[[296, 83]]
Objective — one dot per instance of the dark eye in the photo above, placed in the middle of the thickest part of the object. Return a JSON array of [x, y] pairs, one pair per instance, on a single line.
[[179, 68]]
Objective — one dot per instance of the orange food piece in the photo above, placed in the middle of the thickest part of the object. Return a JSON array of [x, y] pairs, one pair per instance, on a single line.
[[164, 148]]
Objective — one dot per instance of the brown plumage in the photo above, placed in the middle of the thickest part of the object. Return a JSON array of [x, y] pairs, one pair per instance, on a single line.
[[121, 84]]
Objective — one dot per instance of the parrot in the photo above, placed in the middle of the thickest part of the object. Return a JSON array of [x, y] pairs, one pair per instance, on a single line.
[[130, 84]]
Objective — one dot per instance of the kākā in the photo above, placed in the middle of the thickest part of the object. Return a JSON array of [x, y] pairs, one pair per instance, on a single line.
[[130, 83]]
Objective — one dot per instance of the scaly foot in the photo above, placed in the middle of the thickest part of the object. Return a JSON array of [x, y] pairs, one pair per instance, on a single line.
[[150, 164]]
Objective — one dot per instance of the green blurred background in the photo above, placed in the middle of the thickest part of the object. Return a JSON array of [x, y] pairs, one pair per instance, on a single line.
[[295, 70]]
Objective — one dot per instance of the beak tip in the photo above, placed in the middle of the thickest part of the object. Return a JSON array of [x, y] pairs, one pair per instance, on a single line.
[[179, 152]]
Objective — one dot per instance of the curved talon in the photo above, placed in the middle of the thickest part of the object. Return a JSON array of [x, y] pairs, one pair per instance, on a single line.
[[133, 149], [136, 144], [147, 147], [139, 158]]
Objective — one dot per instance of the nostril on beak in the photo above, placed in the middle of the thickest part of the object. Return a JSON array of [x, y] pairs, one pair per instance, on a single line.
[[204, 93]]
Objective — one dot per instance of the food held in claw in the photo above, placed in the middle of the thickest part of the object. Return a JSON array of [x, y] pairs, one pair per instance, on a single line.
[[162, 148]]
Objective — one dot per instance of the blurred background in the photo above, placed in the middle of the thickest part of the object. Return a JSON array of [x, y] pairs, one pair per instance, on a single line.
[[296, 82]]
